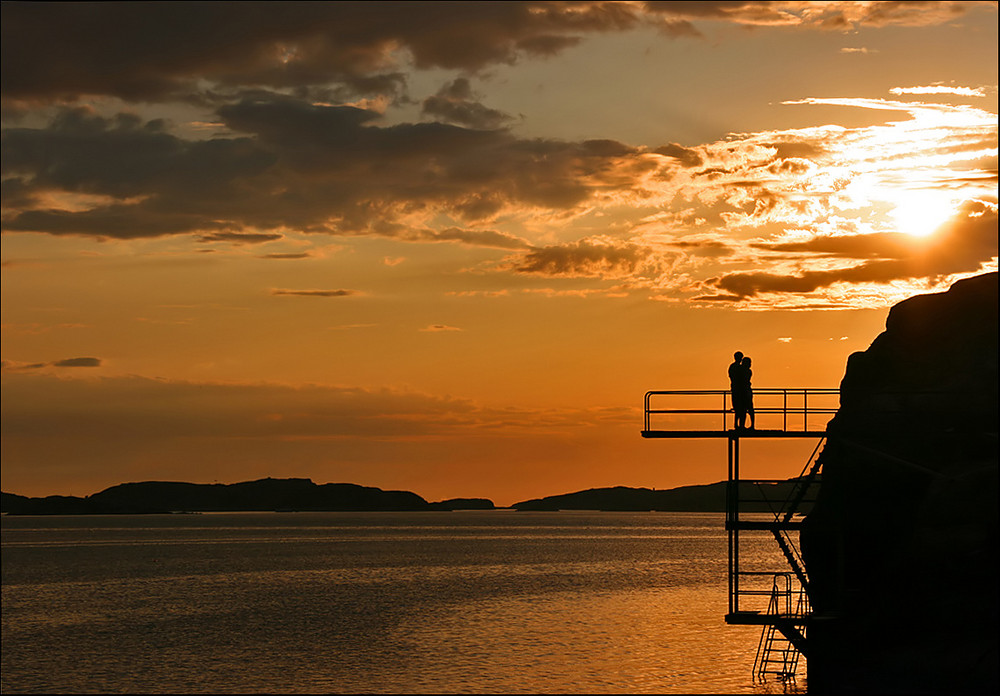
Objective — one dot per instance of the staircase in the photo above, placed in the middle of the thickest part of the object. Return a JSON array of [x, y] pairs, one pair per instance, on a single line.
[[791, 506]]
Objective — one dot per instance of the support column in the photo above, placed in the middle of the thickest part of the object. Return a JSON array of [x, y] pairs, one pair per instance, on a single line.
[[729, 528], [732, 520], [736, 519]]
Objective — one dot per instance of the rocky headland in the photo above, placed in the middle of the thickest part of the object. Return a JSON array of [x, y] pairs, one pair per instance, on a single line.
[[901, 546]]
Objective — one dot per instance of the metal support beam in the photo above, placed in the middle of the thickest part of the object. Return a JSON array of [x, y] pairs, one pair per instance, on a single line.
[[790, 631]]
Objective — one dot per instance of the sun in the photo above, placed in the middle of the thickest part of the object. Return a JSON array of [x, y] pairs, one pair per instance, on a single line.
[[921, 213]]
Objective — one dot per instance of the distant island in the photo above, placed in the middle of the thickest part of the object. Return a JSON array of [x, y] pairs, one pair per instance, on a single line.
[[269, 494], [704, 498], [301, 495]]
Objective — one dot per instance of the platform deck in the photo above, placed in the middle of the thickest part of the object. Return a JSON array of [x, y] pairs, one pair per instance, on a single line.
[[740, 434]]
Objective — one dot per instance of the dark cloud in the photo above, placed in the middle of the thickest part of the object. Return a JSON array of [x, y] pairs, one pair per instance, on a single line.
[[796, 149], [884, 245], [911, 12], [434, 328], [392, 85], [456, 103], [160, 51], [291, 164], [589, 258], [962, 246], [685, 155], [722, 9], [707, 248], [78, 362], [114, 222], [240, 237], [16, 192], [459, 89], [150, 51], [66, 362], [145, 181], [485, 238], [720, 298], [547, 44], [830, 16], [314, 293], [300, 255], [426, 163]]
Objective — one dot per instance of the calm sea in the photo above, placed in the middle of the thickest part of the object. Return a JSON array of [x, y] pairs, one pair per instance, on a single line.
[[473, 602]]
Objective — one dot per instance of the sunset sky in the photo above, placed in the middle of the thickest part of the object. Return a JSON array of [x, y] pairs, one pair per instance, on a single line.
[[447, 247]]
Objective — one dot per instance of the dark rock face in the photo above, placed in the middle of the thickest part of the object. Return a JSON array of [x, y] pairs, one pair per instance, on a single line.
[[901, 548]]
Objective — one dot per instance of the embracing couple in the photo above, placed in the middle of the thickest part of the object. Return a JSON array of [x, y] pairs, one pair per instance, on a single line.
[[739, 382]]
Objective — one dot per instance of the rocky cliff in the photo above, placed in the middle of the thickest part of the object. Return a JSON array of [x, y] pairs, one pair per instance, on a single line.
[[901, 547]]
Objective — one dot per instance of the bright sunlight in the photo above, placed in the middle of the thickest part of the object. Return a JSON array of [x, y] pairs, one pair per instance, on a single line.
[[921, 213]]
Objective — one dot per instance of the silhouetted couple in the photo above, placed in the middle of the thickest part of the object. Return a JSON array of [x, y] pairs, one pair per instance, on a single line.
[[739, 384]]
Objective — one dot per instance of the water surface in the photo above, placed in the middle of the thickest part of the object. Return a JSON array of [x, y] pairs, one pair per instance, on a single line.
[[428, 602]]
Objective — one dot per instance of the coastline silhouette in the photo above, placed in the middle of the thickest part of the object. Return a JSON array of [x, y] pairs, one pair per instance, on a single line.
[[301, 495], [277, 494]]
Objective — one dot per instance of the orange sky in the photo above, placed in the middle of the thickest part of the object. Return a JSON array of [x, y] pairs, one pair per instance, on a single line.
[[448, 247]]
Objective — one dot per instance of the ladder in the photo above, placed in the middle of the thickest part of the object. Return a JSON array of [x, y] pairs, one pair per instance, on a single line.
[[776, 654]]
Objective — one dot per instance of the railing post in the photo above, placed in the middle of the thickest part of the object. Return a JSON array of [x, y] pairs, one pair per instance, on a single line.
[[788, 595], [784, 409], [805, 409]]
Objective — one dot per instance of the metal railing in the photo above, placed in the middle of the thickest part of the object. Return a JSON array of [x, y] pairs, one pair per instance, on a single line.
[[790, 404]]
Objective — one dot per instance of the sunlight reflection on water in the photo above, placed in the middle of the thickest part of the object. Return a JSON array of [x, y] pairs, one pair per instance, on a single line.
[[376, 603]]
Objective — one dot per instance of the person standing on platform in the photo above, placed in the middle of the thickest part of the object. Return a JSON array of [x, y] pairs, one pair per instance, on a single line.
[[737, 390], [746, 374]]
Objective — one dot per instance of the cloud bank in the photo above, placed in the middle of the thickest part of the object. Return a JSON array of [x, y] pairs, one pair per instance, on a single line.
[[168, 51], [296, 145]]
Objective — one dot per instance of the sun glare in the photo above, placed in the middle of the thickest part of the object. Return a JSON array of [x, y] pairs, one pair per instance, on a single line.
[[920, 213]]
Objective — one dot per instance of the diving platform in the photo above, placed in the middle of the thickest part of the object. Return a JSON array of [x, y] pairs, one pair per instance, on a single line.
[[779, 413], [774, 597], [743, 433]]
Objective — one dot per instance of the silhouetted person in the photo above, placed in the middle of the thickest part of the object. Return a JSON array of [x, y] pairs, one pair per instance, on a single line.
[[737, 390], [746, 374]]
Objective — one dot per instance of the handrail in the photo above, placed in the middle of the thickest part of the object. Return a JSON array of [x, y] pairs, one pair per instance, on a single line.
[[797, 396]]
